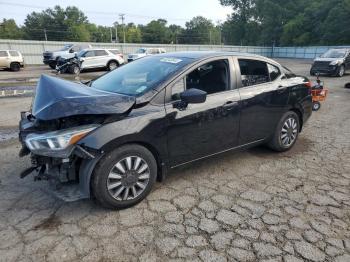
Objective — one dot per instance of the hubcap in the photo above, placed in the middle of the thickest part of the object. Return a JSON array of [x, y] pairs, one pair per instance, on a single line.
[[128, 178], [341, 73], [289, 132], [112, 66]]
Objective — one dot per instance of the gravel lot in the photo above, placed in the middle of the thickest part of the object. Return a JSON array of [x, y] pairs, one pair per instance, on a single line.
[[248, 206]]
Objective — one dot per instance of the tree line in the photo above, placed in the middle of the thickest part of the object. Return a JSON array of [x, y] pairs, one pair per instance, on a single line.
[[252, 22]]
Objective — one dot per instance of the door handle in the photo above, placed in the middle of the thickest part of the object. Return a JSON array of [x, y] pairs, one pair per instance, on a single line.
[[230, 105], [281, 88]]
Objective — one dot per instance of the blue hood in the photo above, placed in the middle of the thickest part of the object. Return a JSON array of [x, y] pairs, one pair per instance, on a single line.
[[56, 98]]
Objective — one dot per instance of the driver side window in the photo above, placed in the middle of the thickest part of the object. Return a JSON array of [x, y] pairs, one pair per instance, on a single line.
[[212, 78]]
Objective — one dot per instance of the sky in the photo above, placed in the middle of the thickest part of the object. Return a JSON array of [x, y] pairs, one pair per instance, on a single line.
[[105, 12]]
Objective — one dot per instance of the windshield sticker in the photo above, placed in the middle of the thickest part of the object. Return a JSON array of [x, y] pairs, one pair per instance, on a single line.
[[141, 89], [170, 60]]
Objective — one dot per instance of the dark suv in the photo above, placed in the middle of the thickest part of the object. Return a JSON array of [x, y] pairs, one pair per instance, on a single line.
[[334, 62], [115, 137]]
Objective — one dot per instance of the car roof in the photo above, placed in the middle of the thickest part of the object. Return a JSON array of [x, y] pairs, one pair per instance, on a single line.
[[198, 55]]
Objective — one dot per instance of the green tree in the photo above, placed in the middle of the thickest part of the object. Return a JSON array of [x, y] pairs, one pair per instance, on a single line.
[[155, 31], [200, 30], [10, 30]]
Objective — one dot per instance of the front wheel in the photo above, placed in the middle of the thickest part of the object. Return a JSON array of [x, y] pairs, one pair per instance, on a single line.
[[15, 67], [124, 177], [74, 69], [316, 106], [286, 132]]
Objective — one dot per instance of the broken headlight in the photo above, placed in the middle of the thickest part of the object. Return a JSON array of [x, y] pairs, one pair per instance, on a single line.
[[57, 143]]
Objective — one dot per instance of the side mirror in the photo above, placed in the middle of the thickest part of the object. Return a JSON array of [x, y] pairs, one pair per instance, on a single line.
[[190, 96]]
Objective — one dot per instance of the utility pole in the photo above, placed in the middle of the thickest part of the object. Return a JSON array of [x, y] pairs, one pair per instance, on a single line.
[[116, 33], [210, 37], [122, 17], [110, 30], [45, 34]]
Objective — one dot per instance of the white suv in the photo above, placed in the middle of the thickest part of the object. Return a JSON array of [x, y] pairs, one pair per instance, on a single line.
[[11, 59], [99, 58], [142, 52]]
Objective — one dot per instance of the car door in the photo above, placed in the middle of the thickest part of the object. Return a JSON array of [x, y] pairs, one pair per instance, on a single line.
[[4, 59], [88, 57], [264, 99], [203, 129], [101, 58]]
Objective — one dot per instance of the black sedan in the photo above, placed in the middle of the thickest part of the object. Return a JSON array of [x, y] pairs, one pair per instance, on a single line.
[[114, 137]]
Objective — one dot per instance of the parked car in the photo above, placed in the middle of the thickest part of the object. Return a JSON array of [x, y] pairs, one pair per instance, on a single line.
[[91, 59], [115, 137], [11, 59], [333, 62], [68, 51], [142, 52]]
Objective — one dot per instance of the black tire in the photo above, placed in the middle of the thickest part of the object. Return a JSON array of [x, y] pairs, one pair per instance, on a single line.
[[112, 65], [341, 71], [15, 66], [74, 69], [347, 85], [316, 106], [52, 64], [108, 163], [276, 142]]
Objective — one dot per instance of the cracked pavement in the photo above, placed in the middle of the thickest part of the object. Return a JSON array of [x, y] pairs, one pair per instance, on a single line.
[[254, 205]]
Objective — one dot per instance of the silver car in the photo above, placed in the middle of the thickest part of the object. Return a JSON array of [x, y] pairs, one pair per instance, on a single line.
[[142, 52]]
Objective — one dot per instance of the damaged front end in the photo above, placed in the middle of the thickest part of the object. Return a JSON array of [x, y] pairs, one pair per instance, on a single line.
[[62, 114]]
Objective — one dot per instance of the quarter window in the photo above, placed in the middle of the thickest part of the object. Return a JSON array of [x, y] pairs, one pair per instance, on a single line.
[[253, 72], [274, 72], [14, 53], [176, 89]]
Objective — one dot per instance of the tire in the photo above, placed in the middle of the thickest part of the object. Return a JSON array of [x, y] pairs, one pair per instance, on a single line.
[[277, 142], [316, 106], [74, 69], [112, 65], [15, 67], [341, 71], [132, 186], [52, 64], [312, 73]]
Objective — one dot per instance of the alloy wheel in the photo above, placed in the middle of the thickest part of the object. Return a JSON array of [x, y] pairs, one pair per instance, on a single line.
[[112, 66], [289, 132], [128, 178]]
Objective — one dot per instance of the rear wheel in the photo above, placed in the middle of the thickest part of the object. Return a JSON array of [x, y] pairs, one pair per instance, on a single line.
[[15, 67], [124, 177], [316, 106], [286, 132], [112, 65]]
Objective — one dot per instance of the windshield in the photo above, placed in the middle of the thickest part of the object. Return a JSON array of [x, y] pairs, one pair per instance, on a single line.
[[81, 53], [140, 76], [334, 53], [141, 51], [66, 47]]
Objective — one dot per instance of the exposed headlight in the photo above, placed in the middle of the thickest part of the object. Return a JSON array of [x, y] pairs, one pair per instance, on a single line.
[[335, 62], [57, 143]]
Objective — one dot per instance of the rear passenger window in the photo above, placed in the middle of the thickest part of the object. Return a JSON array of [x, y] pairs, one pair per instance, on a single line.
[[100, 52], [274, 72], [253, 72], [3, 54]]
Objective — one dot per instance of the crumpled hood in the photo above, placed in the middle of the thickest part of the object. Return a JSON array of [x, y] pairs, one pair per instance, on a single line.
[[56, 98]]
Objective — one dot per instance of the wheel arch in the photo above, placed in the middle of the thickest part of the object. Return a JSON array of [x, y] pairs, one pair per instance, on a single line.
[[88, 166], [113, 60], [300, 116]]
